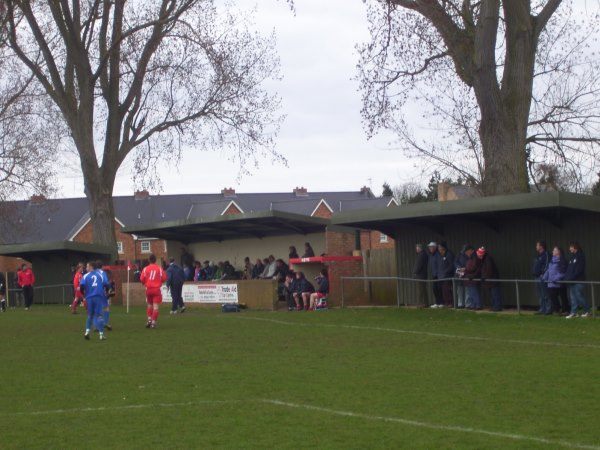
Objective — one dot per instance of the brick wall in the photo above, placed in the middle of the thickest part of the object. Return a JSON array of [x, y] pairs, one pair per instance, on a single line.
[[231, 210], [322, 211], [132, 249], [10, 264], [371, 240]]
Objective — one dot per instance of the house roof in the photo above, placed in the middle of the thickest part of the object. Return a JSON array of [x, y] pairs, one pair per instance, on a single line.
[[549, 205], [56, 220]]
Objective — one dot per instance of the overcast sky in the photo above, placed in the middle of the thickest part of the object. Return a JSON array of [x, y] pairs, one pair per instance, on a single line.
[[322, 137]]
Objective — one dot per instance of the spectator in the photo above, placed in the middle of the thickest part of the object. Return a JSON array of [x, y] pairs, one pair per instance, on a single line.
[[186, 259], [308, 251], [576, 272], [420, 273], [435, 262], [269, 270], [322, 291], [197, 270], [293, 252], [26, 281], [289, 286], [281, 270], [218, 271], [175, 279], [188, 272], [302, 291], [446, 273], [471, 276], [258, 269], [460, 262], [248, 269], [540, 265], [228, 271], [553, 274], [206, 273], [489, 271]]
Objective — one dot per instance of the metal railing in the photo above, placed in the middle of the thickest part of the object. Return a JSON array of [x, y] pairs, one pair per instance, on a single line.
[[49, 294], [455, 281]]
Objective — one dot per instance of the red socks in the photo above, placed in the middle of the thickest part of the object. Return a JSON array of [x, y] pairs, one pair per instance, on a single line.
[[155, 315], [149, 312]]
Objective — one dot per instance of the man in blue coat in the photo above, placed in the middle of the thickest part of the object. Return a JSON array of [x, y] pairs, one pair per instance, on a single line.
[[540, 264], [175, 279], [576, 272]]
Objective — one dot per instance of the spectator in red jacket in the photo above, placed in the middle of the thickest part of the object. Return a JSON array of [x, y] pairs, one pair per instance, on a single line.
[[26, 281]]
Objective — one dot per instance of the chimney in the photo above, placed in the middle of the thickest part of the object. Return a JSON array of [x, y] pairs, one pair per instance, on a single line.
[[367, 191], [228, 192], [37, 199], [301, 192], [443, 190], [141, 195]]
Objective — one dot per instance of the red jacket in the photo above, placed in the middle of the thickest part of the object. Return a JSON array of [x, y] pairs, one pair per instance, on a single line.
[[153, 276], [26, 278]]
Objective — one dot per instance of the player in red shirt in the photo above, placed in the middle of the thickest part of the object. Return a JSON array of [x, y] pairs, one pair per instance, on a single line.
[[153, 276], [78, 294]]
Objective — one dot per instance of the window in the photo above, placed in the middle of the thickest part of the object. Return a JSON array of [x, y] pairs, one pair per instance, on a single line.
[[383, 238], [119, 247], [145, 246]]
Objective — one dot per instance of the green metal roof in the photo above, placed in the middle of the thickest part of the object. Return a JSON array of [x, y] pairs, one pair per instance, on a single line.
[[551, 205], [28, 250], [234, 226]]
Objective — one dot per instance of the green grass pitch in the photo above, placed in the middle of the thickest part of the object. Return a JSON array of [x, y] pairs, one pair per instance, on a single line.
[[337, 379]]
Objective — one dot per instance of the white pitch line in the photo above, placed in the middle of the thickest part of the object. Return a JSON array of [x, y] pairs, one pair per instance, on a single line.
[[122, 407], [409, 422], [424, 333], [434, 426]]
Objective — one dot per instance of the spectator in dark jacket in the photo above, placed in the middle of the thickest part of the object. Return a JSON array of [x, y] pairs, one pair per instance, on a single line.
[[552, 276], [308, 251], [302, 290], [311, 301], [540, 264], [435, 263], [446, 273], [463, 300], [576, 272], [420, 273], [472, 276], [175, 279], [489, 271], [258, 269]]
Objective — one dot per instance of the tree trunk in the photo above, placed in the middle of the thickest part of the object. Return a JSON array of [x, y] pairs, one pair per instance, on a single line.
[[505, 106], [505, 170], [102, 212]]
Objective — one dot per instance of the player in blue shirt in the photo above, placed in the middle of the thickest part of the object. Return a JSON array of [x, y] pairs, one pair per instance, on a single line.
[[93, 285]]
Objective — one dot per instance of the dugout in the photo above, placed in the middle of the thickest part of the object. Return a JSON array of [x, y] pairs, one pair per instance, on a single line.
[[52, 263], [508, 226]]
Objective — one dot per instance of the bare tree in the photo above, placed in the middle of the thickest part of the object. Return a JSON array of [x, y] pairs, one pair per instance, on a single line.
[[146, 78], [27, 140], [475, 69]]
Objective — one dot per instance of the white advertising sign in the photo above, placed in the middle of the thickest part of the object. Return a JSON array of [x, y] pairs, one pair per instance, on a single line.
[[205, 293]]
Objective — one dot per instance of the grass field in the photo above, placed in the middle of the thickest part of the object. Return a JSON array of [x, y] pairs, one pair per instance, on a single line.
[[338, 379]]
